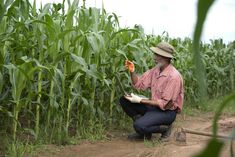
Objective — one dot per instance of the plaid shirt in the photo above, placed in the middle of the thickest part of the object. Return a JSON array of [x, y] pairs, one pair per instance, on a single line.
[[165, 86]]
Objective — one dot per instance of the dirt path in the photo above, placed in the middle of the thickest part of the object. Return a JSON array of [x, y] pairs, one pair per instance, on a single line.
[[120, 147]]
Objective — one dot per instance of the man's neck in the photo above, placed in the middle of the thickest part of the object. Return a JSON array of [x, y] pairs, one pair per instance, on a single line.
[[164, 67]]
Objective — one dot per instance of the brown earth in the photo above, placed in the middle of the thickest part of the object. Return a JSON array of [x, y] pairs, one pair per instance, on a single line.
[[119, 146]]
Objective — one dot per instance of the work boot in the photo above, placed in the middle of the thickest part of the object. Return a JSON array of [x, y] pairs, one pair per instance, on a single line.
[[166, 132], [139, 137]]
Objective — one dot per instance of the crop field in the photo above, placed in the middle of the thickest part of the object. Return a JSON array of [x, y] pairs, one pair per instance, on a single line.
[[62, 70]]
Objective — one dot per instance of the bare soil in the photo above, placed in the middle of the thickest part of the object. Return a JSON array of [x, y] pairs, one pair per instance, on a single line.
[[118, 146]]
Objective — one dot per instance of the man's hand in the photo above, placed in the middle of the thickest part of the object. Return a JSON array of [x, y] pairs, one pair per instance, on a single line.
[[169, 105], [133, 98], [130, 66]]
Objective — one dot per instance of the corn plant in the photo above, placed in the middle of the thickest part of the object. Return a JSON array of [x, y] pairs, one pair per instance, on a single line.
[[59, 68]]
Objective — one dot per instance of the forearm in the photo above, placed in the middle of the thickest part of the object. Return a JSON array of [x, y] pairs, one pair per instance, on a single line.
[[149, 102], [164, 106], [134, 78]]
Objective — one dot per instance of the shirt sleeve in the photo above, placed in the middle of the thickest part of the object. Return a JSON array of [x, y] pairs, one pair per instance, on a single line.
[[144, 81], [171, 92]]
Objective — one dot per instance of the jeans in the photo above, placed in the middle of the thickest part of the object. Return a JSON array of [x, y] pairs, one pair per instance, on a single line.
[[151, 119]]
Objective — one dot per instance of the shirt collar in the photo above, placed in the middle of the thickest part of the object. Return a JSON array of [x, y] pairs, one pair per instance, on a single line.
[[166, 71]]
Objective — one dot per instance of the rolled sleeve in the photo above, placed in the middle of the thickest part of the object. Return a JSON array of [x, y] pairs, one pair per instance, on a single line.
[[162, 103]]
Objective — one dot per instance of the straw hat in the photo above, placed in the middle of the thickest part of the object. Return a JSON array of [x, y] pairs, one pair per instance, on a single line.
[[164, 49]]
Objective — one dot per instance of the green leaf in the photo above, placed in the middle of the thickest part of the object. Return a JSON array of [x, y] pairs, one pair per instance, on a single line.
[[93, 42], [213, 148], [85, 102], [31, 131], [219, 110], [79, 60], [122, 53], [1, 82], [34, 10], [202, 10], [3, 7]]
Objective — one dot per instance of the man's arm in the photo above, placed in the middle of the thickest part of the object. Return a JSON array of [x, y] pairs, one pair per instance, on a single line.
[[131, 67], [143, 82], [156, 103], [134, 78], [149, 102]]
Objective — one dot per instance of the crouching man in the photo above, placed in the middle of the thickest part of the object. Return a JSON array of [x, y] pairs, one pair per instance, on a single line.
[[157, 114]]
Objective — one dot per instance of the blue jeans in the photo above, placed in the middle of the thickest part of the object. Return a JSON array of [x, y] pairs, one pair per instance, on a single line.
[[152, 117]]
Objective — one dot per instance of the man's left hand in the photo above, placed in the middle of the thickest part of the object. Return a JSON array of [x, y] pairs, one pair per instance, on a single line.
[[169, 105], [133, 98]]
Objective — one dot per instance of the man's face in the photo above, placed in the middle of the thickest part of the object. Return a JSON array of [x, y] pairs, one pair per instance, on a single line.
[[159, 60]]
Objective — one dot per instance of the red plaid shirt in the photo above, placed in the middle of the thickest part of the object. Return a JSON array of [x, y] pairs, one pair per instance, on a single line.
[[165, 86]]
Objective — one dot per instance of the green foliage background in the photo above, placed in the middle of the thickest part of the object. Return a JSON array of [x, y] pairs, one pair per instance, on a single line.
[[59, 68]]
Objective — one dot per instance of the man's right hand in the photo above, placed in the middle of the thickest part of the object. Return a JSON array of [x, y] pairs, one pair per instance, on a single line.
[[130, 66]]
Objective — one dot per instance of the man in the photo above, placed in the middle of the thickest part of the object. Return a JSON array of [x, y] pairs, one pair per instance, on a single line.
[[157, 114]]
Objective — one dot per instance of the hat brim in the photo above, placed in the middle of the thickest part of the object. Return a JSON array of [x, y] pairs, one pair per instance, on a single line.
[[161, 52]]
